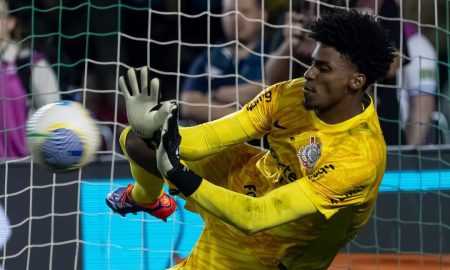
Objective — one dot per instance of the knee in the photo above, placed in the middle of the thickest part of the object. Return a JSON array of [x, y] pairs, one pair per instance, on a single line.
[[138, 151], [134, 144]]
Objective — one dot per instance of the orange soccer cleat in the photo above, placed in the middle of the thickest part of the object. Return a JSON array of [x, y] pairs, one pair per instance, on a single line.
[[120, 202]]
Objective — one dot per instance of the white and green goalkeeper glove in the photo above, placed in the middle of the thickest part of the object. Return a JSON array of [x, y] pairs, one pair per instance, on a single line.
[[168, 156], [145, 113]]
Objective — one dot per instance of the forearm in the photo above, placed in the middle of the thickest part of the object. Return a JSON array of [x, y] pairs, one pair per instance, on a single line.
[[241, 126], [248, 214], [243, 92], [421, 107], [208, 138], [277, 68]]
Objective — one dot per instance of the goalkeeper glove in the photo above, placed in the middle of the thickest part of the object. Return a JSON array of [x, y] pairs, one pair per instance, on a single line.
[[168, 156], [145, 114]]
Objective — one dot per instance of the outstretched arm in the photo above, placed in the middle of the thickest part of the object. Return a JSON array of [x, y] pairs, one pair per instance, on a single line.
[[146, 115], [252, 215], [252, 121], [248, 214], [205, 139]]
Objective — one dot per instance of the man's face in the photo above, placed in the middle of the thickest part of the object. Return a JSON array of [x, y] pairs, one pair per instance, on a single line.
[[328, 79], [7, 23], [242, 12]]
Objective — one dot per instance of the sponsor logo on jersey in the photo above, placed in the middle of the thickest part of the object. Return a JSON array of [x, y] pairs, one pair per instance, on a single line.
[[265, 96], [309, 154], [287, 175], [321, 172], [351, 193], [277, 125]]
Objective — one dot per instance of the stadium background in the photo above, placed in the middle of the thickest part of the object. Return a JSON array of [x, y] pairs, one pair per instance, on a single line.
[[60, 221]]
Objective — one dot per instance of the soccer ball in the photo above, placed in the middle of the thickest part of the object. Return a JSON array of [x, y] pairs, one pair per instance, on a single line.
[[62, 136]]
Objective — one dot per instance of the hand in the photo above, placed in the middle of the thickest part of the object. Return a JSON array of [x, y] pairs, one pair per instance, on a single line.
[[296, 27], [302, 44], [168, 157], [168, 153], [145, 114]]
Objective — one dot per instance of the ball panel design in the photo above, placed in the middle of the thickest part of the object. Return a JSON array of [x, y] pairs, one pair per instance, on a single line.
[[62, 135], [62, 149]]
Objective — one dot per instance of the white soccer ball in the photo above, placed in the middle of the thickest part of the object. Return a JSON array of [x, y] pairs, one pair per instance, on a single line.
[[62, 136]]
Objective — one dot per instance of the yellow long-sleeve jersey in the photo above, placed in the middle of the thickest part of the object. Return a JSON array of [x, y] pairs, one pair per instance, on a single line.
[[293, 206]]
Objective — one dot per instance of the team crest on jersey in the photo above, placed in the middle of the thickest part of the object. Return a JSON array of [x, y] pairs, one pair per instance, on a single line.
[[310, 154]]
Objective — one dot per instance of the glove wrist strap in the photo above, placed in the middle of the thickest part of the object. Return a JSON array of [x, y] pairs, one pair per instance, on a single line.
[[185, 180]]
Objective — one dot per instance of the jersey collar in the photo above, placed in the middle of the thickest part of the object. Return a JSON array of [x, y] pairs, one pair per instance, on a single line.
[[347, 124]]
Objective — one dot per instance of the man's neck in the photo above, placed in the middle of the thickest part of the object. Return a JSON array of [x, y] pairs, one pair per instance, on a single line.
[[341, 112]]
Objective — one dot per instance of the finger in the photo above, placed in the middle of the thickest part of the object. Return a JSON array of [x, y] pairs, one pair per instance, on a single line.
[[170, 123], [144, 80], [165, 108], [173, 120], [297, 31], [154, 90], [133, 81], [123, 87], [165, 139], [162, 113], [170, 139], [298, 17], [173, 126], [165, 126], [294, 17]]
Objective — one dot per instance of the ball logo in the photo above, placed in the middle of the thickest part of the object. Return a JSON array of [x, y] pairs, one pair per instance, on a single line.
[[309, 154]]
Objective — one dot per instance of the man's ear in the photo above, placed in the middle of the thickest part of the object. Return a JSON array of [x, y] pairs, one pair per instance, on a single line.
[[357, 81]]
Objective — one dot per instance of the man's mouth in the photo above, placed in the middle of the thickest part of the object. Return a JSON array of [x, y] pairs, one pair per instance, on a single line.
[[307, 89]]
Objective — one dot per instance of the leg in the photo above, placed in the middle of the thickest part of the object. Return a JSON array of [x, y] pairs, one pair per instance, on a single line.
[[147, 194], [142, 159]]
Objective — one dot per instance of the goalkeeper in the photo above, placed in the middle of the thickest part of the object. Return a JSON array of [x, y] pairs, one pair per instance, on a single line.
[[294, 206]]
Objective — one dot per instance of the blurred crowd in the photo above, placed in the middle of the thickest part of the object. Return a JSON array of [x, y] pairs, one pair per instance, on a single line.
[[211, 56]]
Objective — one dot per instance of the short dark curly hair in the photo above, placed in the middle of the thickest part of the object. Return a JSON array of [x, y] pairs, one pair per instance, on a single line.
[[360, 38]]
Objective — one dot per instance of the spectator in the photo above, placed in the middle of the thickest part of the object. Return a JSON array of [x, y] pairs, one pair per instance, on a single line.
[[419, 82], [281, 66], [232, 70], [292, 46], [27, 81], [417, 85], [48, 39], [406, 99]]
